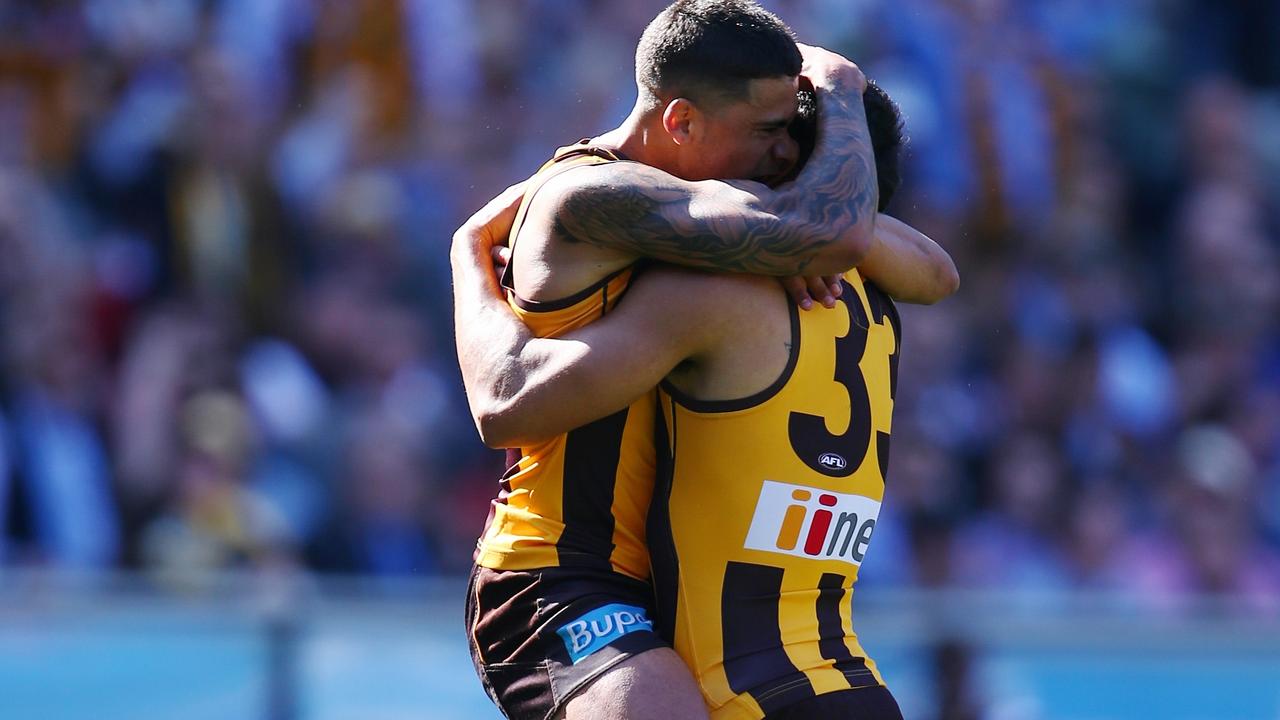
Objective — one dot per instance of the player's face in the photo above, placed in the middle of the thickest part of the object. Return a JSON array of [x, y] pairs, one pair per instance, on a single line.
[[748, 138]]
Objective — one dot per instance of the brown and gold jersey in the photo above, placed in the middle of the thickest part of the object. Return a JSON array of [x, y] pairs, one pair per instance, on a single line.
[[764, 508], [580, 498]]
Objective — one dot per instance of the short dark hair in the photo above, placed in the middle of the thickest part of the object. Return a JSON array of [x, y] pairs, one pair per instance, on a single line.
[[709, 50], [884, 123]]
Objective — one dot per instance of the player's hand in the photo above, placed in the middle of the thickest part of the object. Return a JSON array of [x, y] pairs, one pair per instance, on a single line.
[[491, 225], [805, 291], [831, 71]]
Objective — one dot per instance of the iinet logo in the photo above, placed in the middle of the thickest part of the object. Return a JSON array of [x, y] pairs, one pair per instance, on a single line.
[[810, 523]]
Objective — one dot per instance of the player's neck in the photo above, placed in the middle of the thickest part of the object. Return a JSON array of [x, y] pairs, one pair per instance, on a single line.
[[643, 139]]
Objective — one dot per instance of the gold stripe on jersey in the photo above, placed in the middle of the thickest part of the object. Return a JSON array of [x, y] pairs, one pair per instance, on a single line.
[[764, 509], [579, 498]]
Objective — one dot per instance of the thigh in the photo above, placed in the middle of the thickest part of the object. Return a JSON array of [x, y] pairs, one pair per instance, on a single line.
[[541, 637], [654, 685]]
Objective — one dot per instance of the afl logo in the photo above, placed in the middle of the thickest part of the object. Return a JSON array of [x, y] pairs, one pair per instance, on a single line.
[[832, 460]]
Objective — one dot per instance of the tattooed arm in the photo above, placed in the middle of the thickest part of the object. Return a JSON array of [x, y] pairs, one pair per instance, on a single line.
[[820, 224]]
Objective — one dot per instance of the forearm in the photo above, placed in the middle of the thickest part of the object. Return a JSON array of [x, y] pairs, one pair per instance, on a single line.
[[818, 227], [557, 390], [521, 388], [821, 224], [908, 265], [831, 206], [489, 336]]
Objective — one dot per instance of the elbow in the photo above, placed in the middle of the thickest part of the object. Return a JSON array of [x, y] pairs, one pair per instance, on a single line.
[[506, 426], [946, 282], [952, 281], [495, 427], [948, 279], [489, 428]]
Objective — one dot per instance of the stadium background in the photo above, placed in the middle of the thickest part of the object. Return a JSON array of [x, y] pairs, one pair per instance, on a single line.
[[237, 474]]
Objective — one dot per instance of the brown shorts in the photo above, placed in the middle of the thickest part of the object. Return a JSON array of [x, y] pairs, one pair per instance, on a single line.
[[537, 637]]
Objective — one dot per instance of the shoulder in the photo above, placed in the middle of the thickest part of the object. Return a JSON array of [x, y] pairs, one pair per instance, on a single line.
[[591, 201], [582, 203], [590, 180], [631, 190]]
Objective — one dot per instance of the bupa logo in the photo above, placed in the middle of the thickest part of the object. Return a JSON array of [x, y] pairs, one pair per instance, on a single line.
[[833, 461], [600, 627], [807, 522]]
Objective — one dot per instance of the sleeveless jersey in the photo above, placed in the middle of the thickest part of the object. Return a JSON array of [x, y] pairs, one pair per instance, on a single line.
[[578, 499], [763, 509]]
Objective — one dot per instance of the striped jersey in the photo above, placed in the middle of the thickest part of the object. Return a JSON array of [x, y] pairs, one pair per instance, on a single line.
[[764, 509], [578, 499]]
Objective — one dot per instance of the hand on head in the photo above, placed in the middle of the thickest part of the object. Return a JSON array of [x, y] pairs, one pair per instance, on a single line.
[[830, 71]]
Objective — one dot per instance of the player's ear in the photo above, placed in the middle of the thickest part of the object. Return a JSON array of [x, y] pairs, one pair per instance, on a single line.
[[680, 119]]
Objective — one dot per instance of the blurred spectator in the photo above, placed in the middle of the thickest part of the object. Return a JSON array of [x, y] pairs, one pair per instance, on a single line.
[[215, 519], [1013, 544], [64, 476], [382, 521], [224, 278], [1212, 499]]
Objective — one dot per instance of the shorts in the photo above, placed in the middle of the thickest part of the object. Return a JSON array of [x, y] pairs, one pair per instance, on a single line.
[[868, 703], [537, 637]]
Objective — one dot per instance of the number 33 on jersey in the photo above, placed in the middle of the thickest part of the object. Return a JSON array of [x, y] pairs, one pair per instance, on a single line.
[[765, 508]]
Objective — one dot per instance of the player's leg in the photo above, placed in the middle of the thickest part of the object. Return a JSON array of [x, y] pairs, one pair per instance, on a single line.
[[540, 639], [654, 685]]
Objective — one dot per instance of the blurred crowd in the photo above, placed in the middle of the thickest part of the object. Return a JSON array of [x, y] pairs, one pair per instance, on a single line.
[[224, 292]]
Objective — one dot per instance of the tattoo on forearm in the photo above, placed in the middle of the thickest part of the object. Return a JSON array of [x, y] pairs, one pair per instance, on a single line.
[[654, 222], [654, 216]]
